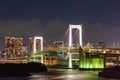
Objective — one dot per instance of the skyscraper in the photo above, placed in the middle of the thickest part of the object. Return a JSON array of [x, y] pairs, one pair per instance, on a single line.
[[13, 47]]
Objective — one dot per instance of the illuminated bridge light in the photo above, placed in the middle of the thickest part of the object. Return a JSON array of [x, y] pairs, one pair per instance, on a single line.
[[92, 62]]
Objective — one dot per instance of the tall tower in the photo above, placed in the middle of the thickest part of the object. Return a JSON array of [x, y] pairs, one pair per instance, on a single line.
[[71, 27], [35, 44]]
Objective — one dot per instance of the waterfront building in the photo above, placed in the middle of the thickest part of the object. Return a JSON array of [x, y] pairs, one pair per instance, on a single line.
[[13, 47], [30, 45], [25, 51]]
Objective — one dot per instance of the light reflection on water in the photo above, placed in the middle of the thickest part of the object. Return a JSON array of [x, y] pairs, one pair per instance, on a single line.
[[68, 74], [61, 74]]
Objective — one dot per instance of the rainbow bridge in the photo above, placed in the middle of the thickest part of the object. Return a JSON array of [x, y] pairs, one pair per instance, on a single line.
[[70, 55]]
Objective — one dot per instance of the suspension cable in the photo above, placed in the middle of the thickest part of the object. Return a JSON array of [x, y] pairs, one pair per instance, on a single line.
[[64, 34], [46, 43], [75, 33], [85, 36]]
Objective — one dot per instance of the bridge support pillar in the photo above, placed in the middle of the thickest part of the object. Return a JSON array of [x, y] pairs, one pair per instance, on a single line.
[[40, 46], [41, 58], [70, 60]]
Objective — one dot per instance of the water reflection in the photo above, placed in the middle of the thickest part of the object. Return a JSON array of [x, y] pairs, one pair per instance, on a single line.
[[61, 74], [68, 74]]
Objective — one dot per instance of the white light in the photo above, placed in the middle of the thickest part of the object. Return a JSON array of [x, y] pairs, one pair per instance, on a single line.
[[70, 60], [34, 44], [79, 27]]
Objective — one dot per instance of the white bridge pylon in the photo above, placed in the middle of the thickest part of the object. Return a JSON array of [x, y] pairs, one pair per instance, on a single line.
[[41, 46], [34, 44], [71, 27]]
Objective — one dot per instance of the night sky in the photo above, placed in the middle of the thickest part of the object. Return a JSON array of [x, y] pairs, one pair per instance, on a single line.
[[100, 19]]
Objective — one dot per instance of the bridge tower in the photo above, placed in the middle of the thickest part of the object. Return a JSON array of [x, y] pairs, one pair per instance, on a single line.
[[38, 43], [71, 27]]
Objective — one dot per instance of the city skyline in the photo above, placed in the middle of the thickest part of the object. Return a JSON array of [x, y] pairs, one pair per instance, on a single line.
[[100, 19]]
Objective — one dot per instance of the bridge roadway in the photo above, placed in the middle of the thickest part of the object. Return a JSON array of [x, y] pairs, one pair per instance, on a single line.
[[27, 60], [64, 49]]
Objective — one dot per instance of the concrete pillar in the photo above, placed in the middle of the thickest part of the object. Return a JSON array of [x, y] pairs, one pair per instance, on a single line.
[[41, 58], [70, 60]]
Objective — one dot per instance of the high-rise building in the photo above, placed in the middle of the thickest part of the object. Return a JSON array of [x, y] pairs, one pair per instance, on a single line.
[[25, 50], [13, 46], [30, 46]]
